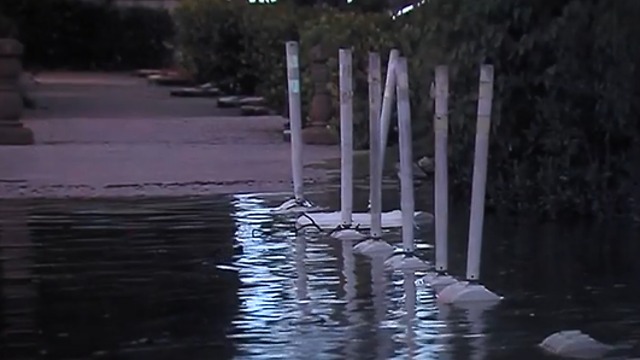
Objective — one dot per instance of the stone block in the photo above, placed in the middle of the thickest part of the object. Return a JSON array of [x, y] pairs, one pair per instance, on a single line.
[[319, 135]]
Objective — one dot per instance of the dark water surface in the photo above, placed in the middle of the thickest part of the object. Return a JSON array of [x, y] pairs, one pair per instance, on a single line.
[[216, 278]]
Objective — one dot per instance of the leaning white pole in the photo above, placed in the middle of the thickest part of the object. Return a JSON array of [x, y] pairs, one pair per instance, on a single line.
[[408, 261], [387, 101], [346, 137], [375, 246], [384, 112], [471, 290], [295, 118], [485, 99]]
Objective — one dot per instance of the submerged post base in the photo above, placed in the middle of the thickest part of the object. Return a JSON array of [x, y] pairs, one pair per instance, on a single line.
[[348, 234], [438, 280], [405, 262], [294, 207], [373, 247], [465, 291], [574, 344]]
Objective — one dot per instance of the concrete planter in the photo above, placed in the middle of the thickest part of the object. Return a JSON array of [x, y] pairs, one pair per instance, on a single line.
[[10, 68], [10, 65], [11, 106]]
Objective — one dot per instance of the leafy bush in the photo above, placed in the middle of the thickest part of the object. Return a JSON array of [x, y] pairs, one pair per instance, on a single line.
[[242, 47], [565, 124], [360, 32], [238, 45], [565, 114], [86, 35], [7, 27]]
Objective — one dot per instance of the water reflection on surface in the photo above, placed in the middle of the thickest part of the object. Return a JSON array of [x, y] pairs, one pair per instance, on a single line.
[[219, 278]]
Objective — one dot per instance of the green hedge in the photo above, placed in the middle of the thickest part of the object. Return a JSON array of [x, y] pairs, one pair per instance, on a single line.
[[89, 35], [566, 110], [7, 27], [238, 45], [362, 33], [565, 124], [241, 47]]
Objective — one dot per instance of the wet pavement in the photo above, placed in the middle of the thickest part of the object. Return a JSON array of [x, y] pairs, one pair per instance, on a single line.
[[219, 277], [113, 135], [124, 275]]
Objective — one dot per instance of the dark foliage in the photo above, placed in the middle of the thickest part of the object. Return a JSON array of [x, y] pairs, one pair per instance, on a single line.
[[565, 131], [87, 35]]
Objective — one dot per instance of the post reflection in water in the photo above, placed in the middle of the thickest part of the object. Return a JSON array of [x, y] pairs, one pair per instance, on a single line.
[[223, 278], [302, 290], [302, 293], [378, 288], [349, 273], [19, 291], [410, 312], [467, 322]]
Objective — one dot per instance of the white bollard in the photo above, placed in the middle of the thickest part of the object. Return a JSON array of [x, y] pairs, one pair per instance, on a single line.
[[329, 220], [470, 291], [375, 245], [407, 260], [346, 149], [375, 163], [441, 129], [440, 279], [346, 136], [298, 204], [407, 204]]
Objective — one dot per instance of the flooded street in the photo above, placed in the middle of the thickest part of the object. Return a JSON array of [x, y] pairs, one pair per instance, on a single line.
[[220, 277]]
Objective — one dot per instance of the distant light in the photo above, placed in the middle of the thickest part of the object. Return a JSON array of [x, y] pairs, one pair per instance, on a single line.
[[408, 8]]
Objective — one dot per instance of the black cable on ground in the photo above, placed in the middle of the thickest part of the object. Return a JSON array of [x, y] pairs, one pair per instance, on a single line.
[[313, 223]]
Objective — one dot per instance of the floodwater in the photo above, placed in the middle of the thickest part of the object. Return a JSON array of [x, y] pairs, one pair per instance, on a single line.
[[217, 278]]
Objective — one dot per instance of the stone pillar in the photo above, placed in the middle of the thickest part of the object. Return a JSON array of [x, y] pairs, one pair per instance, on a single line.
[[317, 132], [12, 132]]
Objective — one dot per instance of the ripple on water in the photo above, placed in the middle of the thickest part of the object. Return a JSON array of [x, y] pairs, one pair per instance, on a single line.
[[205, 278], [316, 309]]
